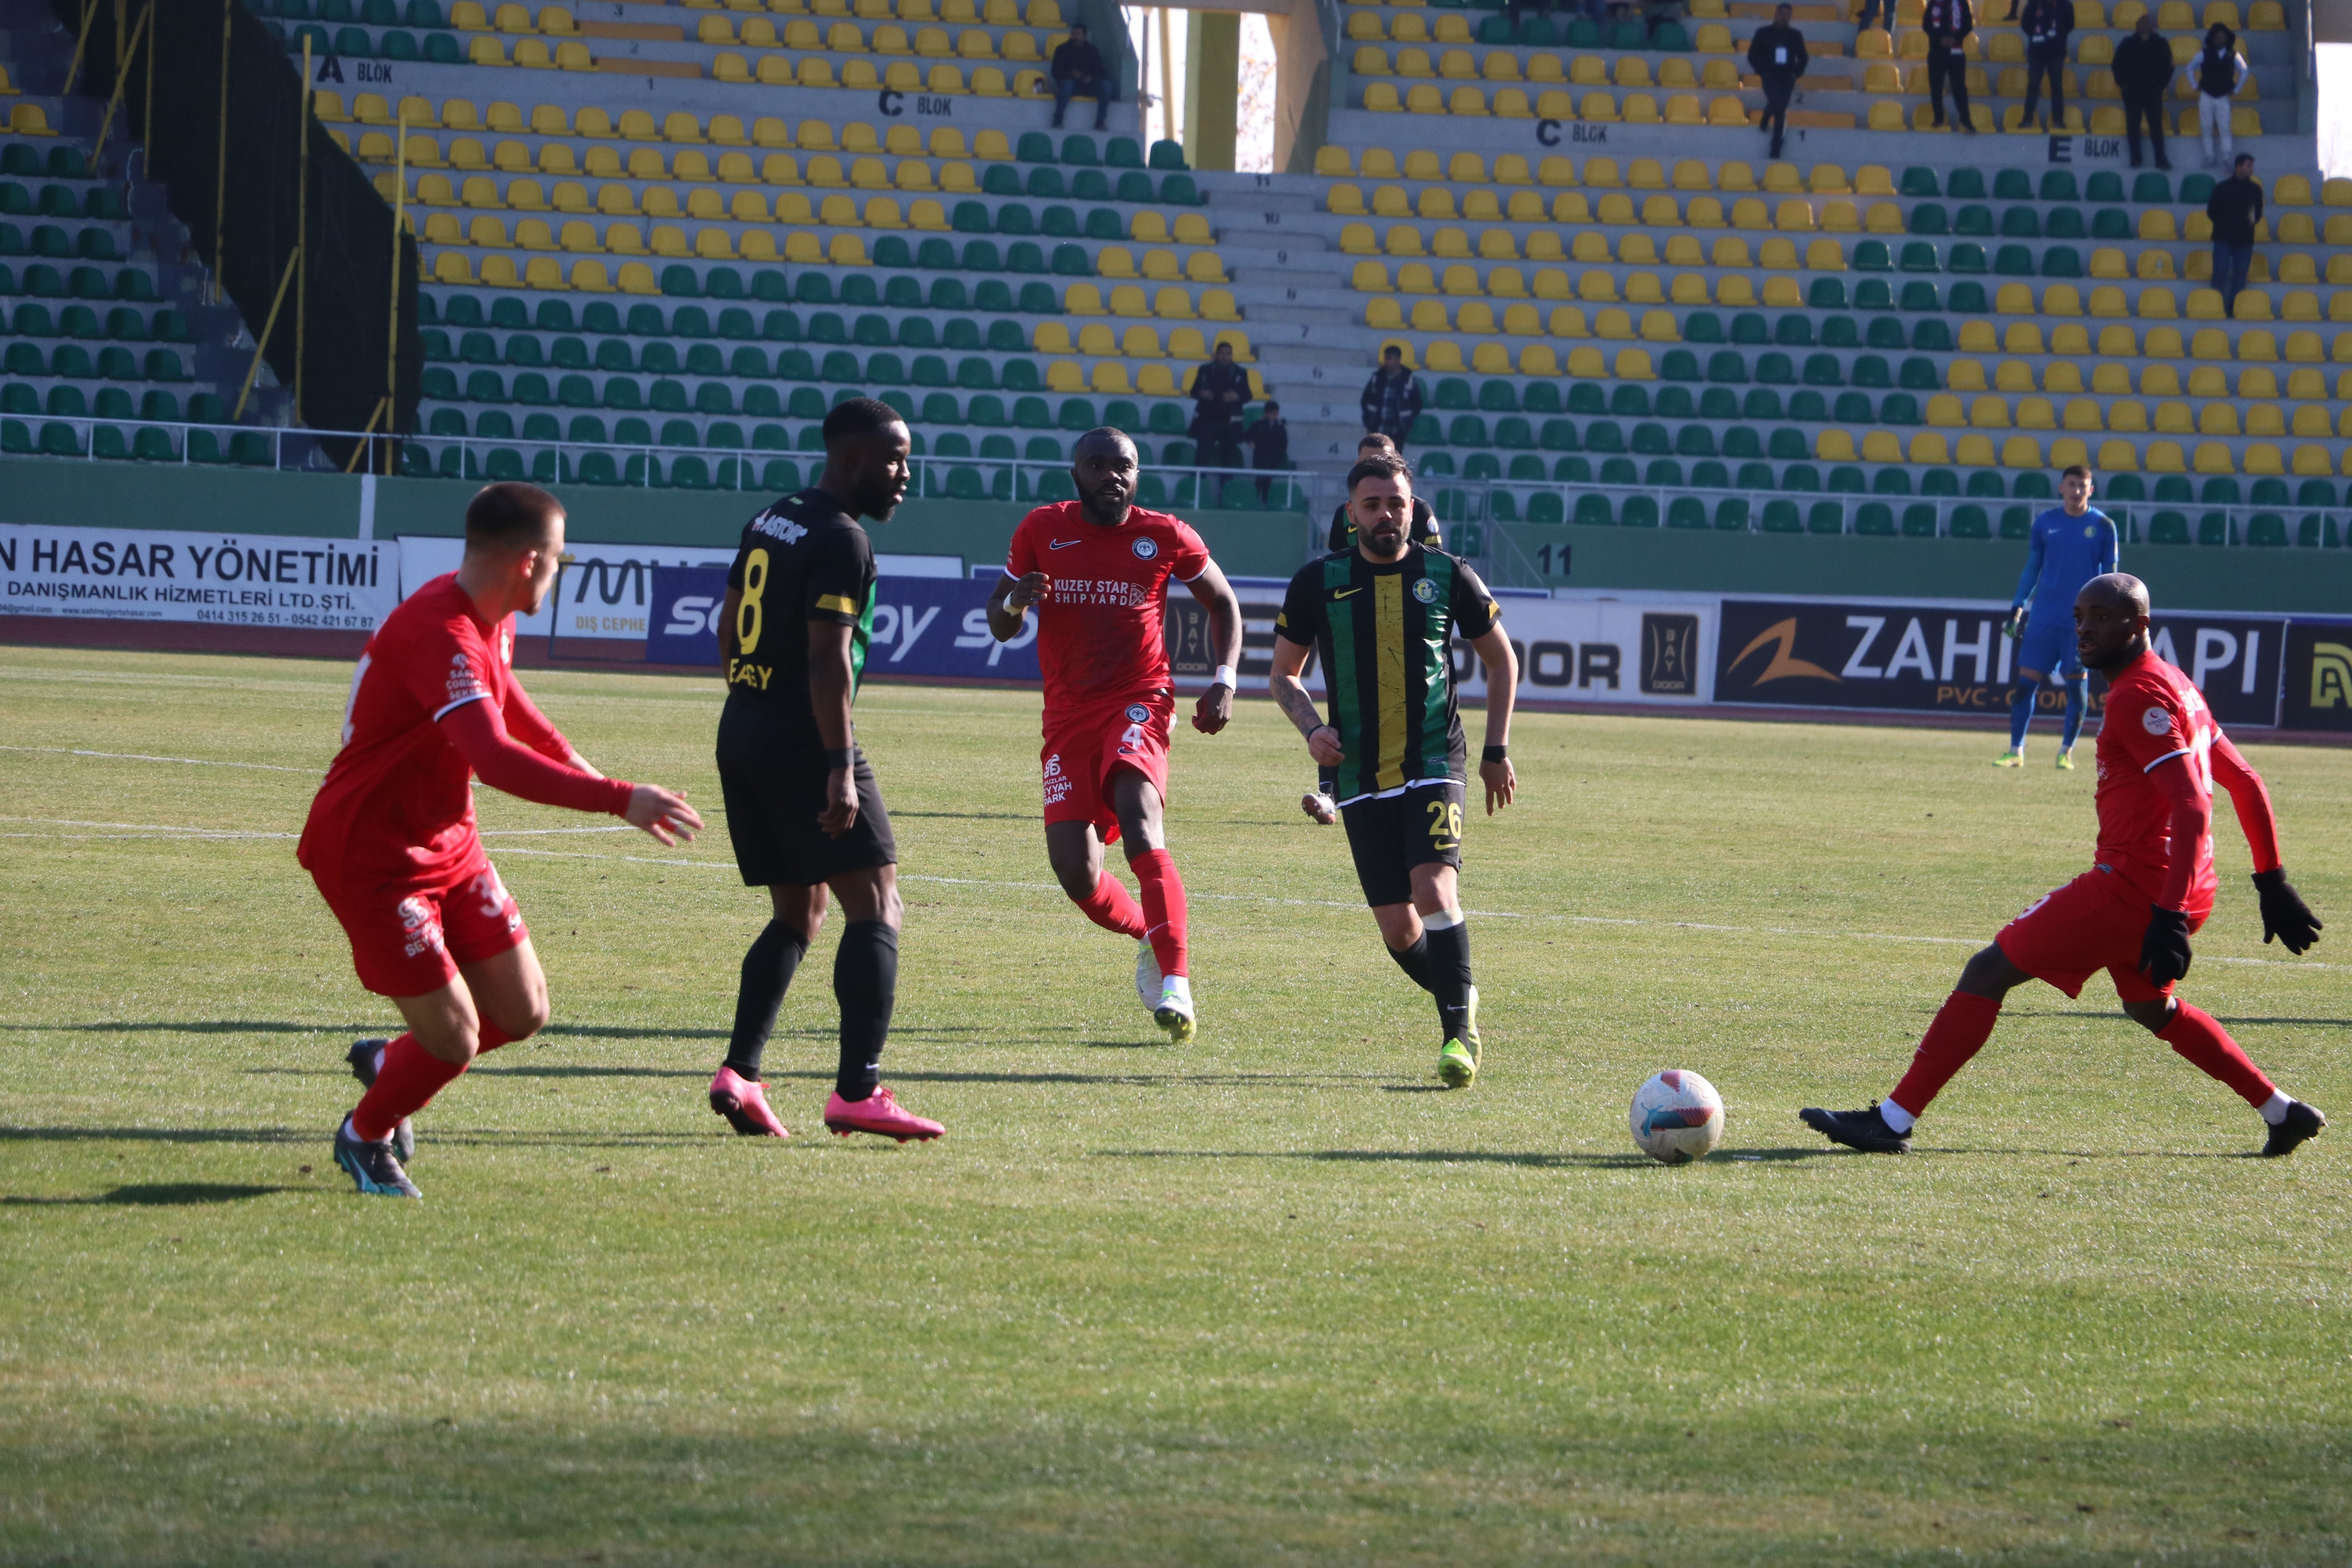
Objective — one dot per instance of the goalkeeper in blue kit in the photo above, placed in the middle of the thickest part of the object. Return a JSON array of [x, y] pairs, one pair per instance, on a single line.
[[2072, 544]]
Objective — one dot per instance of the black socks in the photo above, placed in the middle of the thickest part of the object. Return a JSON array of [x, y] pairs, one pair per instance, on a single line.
[[1449, 971], [866, 984], [1414, 960], [768, 969]]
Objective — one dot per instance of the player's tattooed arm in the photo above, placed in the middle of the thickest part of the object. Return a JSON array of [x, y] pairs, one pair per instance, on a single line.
[[1216, 708], [830, 687], [1501, 780], [1008, 606], [1290, 695]]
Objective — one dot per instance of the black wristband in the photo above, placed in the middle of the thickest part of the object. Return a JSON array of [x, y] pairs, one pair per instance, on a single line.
[[1494, 754], [845, 758]]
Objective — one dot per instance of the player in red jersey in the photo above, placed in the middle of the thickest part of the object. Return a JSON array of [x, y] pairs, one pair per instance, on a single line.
[[2151, 884], [391, 841], [1097, 569]]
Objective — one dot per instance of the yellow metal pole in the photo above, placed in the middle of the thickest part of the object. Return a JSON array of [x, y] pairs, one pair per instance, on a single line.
[[367, 429], [121, 81], [302, 237], [261, 345], [391, 318], [147, 114], [220, 180], [73, 70]]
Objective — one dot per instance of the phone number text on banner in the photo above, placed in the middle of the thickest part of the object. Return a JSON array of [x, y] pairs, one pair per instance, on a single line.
[[136, 574]]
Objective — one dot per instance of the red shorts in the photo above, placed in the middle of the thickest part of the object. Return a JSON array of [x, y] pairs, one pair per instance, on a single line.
[[408, 941], [1083, 749], [2069, 935]]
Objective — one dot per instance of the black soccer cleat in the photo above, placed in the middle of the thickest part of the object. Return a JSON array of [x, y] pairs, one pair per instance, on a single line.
[[373, 1168], [1863, 1130], [2303, 1123], [363, 1058]]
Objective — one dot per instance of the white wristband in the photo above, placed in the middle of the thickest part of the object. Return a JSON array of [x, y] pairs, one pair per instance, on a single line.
[[1224, 677]]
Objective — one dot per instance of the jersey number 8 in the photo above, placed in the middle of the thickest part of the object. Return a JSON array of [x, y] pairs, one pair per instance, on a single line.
[[749, 616]]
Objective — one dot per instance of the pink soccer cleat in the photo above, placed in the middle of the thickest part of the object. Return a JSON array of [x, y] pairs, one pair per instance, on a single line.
[[745, 1106], [878, 1112]]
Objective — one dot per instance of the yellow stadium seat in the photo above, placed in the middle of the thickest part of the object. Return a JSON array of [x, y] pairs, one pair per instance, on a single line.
[[1725, 111]]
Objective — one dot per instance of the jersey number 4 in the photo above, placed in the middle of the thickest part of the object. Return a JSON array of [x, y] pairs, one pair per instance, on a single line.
[[750, 615]]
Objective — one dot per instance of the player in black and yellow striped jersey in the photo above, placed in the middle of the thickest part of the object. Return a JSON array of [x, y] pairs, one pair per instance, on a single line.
[[803, 804], [1382, 617]]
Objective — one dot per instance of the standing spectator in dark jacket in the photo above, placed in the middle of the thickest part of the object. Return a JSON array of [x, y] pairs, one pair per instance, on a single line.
[[2143, 69], [1391, 398], [1219, 390], [1078, 71], [2047, 24], [2220, 71], [2236, 208], [1269, 440], [1777, 54], [1948, 24]]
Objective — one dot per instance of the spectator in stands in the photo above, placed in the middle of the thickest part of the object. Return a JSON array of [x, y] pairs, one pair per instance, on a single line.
[[1078, 71], [2143, 69], [2047, 24], [1948, 24], [1219, 390], [2236, 208], [2220, 71], [1391, 398], [1778, 55], [1269, 440]]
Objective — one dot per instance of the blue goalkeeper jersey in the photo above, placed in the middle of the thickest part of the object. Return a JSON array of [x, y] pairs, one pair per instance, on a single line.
[[2066, 553]]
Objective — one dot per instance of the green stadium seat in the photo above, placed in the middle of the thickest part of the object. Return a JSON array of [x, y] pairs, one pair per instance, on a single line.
[[1123, 152], [1703, 327], [1639, 511], [2017, 522], [2020, 222], [1872, 255], [1034, 147], [2012, 261], [1971, 522], [1731, 514], [1801, 478], [1964, 257], [2062, 261], [2266, 529], [2215, 529], [2168, 528], [2196, 190], [1875, 518], [1928, 217], [1686, 511], [1594, 510], [2152, 188], [1167, 155], [1782, 517], [1179, 190], [2066, 223]]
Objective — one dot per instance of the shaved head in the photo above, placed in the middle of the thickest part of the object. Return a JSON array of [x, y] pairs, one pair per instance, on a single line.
[[2120, 589], [1103, 439]]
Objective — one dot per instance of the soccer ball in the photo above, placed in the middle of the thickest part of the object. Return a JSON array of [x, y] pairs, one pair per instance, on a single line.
[[1676, 1117]]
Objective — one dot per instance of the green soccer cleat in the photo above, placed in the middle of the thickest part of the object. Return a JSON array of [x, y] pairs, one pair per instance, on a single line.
[[2012, 757], [2066, 762], [1457, 1067]]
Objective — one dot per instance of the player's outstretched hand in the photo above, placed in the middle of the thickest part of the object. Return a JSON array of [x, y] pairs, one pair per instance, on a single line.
[[1027, 590], [665, 815], [1215, 710], [1323, 745], [840, 813], [1502, 782], [2163, 952], [2284, 914]]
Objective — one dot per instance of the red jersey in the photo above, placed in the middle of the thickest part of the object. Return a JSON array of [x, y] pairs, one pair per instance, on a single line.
[[2154, 714], [1099, 627], [396, 808]]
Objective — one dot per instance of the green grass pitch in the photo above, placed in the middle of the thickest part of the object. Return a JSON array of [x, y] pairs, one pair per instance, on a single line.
[[1270, 1298]]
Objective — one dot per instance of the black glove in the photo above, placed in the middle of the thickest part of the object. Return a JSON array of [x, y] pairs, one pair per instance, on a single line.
[[2163, 952], [2284, 914]]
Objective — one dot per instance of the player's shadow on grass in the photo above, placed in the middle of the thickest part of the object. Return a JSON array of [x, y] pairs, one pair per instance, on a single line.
[[1389, 1156], [196, 1027], [159, 1194], [160, 1135]]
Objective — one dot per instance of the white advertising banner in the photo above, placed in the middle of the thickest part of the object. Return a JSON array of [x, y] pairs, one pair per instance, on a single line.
[[1622, 648], [606, 590], [221, 579]]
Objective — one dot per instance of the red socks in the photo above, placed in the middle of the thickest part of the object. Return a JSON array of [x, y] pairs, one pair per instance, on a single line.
[[2199, 1036], [1163, 906], [1112, 907], [1962, 1026], [407, 1080]]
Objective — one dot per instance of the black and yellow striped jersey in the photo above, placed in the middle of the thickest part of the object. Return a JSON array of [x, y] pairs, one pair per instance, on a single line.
[[804, 559], [1385, 635]]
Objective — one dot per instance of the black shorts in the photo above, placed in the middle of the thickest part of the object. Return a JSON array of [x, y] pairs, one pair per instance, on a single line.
[[1390, 836], [774, 800]]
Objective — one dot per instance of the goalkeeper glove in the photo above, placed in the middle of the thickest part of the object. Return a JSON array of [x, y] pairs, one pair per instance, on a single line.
[[2014, 627], [2163, 952], [2284, 914]]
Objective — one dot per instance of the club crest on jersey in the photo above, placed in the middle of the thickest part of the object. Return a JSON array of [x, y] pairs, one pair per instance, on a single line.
[[2156, 721], [1136, 713], [1145, 549], [1426, 591]]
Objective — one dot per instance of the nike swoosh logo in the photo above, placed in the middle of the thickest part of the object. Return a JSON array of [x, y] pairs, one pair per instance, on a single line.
[[1343, 593], [1062, 544]]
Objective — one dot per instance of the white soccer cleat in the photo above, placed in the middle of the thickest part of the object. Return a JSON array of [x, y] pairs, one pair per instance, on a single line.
[[1147, 977], [1320, 806], [1174, 1011]]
